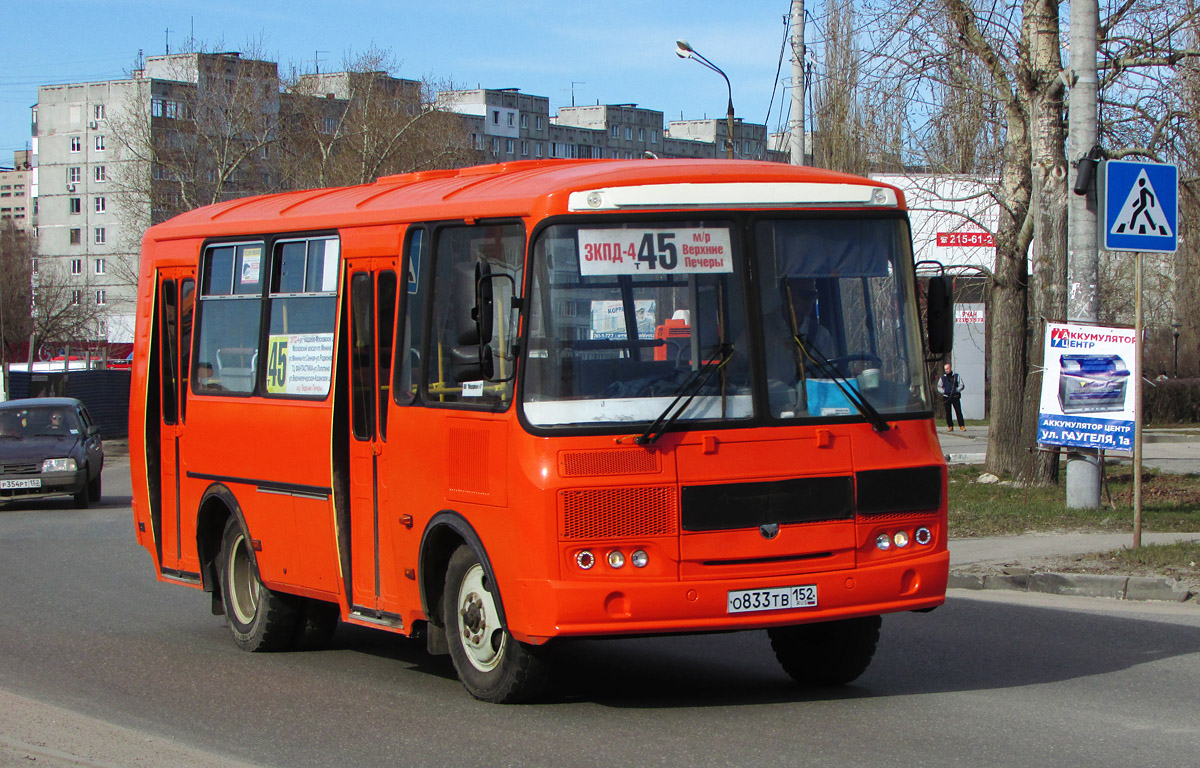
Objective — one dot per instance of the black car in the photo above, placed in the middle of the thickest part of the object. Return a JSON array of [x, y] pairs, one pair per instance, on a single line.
[[49, 446]]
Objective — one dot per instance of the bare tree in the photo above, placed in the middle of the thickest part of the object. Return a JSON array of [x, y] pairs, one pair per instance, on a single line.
[[16, 260], [353, 126]]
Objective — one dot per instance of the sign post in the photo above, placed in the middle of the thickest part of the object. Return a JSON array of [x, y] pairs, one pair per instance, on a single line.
[[1141, 214]]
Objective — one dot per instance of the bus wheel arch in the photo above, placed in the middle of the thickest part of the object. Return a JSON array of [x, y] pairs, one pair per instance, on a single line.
[[445, 533], [217, 505]]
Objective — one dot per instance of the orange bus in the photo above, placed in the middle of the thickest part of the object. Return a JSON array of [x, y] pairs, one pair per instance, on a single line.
[[496, 406]]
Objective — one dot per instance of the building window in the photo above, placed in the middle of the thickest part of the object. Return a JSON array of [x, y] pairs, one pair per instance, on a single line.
[[331, 125], [641, 134], [508, 146], [76, 205], [76, 143], [101, 173], [524, 149], [495, 117], [98, 112], [171, 109], [99, 266], [100, 235], [74, 174], [653, 137], [76, 239], [76, 266], [511, 118], [75, 297], [477, 140], [524, 121], [628, 133], [495, 146], [99, 143], [156, 108], [101, 297], [616, 131], [537, 149], [538, 122], [100, 205]]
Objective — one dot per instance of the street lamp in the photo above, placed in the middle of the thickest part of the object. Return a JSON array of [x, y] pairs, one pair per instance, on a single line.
[[1175, 326], [685, 51]]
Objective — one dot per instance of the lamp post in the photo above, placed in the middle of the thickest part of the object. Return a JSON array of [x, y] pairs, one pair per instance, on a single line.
[[685, 51], [1175, 326]]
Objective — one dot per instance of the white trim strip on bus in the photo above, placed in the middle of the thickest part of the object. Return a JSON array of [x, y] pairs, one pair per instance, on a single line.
[[731, 195]]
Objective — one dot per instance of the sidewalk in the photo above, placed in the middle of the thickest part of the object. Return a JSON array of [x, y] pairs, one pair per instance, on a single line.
[[1025, 562]]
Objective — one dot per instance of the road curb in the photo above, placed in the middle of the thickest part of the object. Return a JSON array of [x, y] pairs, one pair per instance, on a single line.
[[1075, 584]]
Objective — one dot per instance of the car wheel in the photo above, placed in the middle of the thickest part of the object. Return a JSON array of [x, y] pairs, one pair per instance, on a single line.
[[492, 665], [259, 619], [84, 495], [94, 490], [828, 653]]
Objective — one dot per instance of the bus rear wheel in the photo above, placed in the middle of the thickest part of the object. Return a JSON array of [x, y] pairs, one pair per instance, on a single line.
[[492, 665], [828, 653], [259, 619]]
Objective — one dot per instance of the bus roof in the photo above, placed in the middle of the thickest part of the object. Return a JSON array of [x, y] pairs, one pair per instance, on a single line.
[[523, 188]]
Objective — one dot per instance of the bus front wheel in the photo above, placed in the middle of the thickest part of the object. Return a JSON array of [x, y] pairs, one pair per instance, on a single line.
[[259, 619], [828, 653], [491, 664]]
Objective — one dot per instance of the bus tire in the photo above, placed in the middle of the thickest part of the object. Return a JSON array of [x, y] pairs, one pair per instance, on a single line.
[[259, 619], [491, 664], [316, 624], [828, 653]]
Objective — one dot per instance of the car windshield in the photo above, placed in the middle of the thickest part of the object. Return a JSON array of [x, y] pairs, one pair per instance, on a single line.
[[648, 322], [38, 421]]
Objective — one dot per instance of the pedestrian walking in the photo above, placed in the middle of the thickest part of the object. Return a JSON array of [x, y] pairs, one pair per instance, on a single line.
[[951, 387]]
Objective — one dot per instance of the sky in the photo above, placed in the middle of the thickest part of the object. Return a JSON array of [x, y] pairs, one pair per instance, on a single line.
[[611, 52]]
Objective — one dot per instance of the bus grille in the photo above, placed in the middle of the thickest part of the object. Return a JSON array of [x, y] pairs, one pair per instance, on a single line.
[[601, 513], [635, 461]]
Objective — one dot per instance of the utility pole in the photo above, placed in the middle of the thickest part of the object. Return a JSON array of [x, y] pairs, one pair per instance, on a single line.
[[1083, 301], [797, 122]]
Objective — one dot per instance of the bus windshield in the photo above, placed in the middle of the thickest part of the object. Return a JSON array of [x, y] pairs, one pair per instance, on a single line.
[[625, 318]]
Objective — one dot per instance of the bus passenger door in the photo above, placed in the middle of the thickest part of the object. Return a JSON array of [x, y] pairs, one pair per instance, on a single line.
[[176, 292], [372, 307]]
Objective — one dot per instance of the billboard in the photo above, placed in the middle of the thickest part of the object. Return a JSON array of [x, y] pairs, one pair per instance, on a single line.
[[1087, 387]]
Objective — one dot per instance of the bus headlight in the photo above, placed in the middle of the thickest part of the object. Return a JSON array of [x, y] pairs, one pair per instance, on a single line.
[[923, 536], [900, 538], [883, 542], [616, 558], [639, 558], [58, 465], [585, 560]]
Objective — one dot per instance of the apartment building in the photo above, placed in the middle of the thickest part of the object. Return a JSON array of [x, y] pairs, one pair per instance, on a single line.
[[16, 195]]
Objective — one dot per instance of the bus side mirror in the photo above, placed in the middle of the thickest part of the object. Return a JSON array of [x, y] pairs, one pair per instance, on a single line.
[[940, 314]]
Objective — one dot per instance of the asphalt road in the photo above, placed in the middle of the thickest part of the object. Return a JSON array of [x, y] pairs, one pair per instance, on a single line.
[[88, 640]]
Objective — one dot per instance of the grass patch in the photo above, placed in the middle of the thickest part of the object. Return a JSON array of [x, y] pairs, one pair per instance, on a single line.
[[1181, 557], [1169, 503]]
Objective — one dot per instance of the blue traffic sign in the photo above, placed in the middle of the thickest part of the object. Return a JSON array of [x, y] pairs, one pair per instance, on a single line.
[[1139, 202]]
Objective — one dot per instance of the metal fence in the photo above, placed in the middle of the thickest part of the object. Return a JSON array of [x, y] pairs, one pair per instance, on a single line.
[[105, 393]]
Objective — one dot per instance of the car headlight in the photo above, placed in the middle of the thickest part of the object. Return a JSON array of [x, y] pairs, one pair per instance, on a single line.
[[58, 465]]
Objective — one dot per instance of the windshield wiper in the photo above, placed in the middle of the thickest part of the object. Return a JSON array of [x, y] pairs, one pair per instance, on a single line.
[[689, 389], [822, 364]]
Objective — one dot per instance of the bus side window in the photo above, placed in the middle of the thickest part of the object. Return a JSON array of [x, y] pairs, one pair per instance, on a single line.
[[457, 252], [408, 336], [230, 314], [362, 341]]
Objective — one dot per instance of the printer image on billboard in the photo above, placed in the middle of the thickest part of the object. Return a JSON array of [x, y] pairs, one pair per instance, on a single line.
[[1091, 383]]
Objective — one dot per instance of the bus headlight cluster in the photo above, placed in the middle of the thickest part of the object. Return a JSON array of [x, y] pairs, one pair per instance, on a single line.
[[901, 539], [585, 559]]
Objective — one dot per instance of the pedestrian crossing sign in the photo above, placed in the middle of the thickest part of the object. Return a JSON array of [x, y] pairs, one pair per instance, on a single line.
[[1139, 201]]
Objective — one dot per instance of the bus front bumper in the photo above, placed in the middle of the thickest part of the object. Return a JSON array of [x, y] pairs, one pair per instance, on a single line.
[[562, 608]]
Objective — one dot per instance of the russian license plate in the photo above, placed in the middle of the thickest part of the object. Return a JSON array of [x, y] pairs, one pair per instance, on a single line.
[[6, 485], [773, 599]]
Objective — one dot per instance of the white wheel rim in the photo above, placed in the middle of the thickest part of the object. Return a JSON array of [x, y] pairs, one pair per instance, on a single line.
[[243, 585], [479, 627]]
